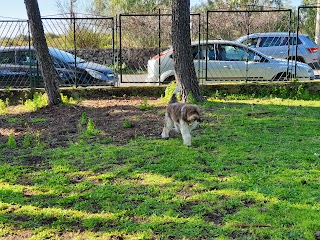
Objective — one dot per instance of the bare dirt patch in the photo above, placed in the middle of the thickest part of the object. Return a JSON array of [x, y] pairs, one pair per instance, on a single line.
[[59, 125]]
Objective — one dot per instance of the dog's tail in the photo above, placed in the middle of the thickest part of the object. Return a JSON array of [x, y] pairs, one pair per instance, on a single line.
[[174, 98]]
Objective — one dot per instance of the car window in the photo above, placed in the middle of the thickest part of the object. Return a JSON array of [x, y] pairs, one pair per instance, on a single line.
[[27, 57], [270, 41], [293, 41], [65, 56], [202, 53], [198, 52], [285, 42], [231, 53], [58, 64], [251, 42], [7, 57]]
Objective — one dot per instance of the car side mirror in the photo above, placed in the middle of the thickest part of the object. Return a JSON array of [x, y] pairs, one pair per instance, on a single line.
[[256, 58]]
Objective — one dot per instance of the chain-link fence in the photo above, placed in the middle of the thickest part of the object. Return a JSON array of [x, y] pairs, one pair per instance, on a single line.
[[82, 50], [264, 30], [135, 48]]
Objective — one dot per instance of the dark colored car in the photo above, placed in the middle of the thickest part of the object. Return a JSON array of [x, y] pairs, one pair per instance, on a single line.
[[19, 64]]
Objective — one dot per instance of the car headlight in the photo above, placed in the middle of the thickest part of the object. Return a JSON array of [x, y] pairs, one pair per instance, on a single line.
[[111, 75], [95, 74]]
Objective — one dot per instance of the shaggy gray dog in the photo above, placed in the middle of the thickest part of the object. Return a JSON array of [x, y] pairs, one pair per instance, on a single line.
[[183, 117]]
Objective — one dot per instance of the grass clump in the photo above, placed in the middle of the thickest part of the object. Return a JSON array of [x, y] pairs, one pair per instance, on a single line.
[[87, 127], [3, 107], [144, 106], [11, 141], [37, 101], [168, 93], [127, 123]]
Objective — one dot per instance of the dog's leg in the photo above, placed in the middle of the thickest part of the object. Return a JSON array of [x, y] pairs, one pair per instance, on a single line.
[[176, 127], [167, 127], [185, 132]]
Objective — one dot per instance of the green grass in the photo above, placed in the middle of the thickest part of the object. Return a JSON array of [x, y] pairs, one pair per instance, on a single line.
[[252, 173]]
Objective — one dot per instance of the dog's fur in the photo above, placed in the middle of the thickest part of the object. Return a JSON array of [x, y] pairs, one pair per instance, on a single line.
[[183, 117]]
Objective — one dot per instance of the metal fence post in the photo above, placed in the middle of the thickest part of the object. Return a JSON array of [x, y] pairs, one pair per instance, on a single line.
[[120, 47], [159, 43]]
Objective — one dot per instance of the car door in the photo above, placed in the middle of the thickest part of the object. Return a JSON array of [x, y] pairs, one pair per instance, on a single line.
[[229, 63], [11, 72], [201, 54]]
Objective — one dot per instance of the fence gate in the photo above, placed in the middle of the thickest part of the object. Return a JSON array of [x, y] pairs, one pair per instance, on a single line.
[[143, 38], [231, 25]]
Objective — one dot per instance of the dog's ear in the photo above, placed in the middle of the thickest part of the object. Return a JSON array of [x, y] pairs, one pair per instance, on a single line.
[[184, 113], [173, 99], [197, 112]]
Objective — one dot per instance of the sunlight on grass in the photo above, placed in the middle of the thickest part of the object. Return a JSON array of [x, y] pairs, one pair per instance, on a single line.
[[252, 172], [276, 101], [153, 179]]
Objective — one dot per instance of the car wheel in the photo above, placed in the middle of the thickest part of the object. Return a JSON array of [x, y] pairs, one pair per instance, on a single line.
[[300, 59], [283, 76], [168, 80]]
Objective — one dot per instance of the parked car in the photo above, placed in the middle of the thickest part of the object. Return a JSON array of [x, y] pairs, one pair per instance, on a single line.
[[228, 61], [19, 63], [284, 45]]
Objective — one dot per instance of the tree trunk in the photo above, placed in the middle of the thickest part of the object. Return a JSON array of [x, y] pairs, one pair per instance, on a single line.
[[182, 53], [41, 48]]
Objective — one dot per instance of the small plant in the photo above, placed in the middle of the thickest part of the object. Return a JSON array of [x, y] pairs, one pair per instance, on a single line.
[[11, 141], [3, 108], [145, 105], [14, 120], [66, 100], [191, 98], [38, 101], [91, 129], [168, 93], [302, 93], [38, 120], [91, 126], [83, 118], [38, 142], [117, 67], [26, 141], [127, 123]]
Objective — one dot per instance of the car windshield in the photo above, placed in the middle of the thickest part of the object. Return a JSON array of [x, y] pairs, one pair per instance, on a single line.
[[65, 56]]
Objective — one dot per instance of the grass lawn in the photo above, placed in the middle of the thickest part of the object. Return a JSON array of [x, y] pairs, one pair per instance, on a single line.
[[252, 172]]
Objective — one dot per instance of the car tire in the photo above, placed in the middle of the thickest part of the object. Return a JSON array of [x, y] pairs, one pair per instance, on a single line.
[[283, 76], [168, 80]]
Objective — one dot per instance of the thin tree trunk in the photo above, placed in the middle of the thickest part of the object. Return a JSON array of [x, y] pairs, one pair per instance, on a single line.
[[41, 48], [182, 52]]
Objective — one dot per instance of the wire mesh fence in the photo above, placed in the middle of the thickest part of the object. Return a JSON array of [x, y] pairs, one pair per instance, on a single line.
[[143, 38], [136, 48], [246, 27], [82, 50]]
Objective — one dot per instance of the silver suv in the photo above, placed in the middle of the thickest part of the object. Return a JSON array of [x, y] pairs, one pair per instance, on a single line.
[[280, 45]]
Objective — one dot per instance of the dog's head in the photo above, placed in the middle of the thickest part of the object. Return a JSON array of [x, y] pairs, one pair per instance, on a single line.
[[190, 113]]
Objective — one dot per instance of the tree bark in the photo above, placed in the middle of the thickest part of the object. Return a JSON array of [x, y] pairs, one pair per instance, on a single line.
[[41, 48], [182, 52]]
